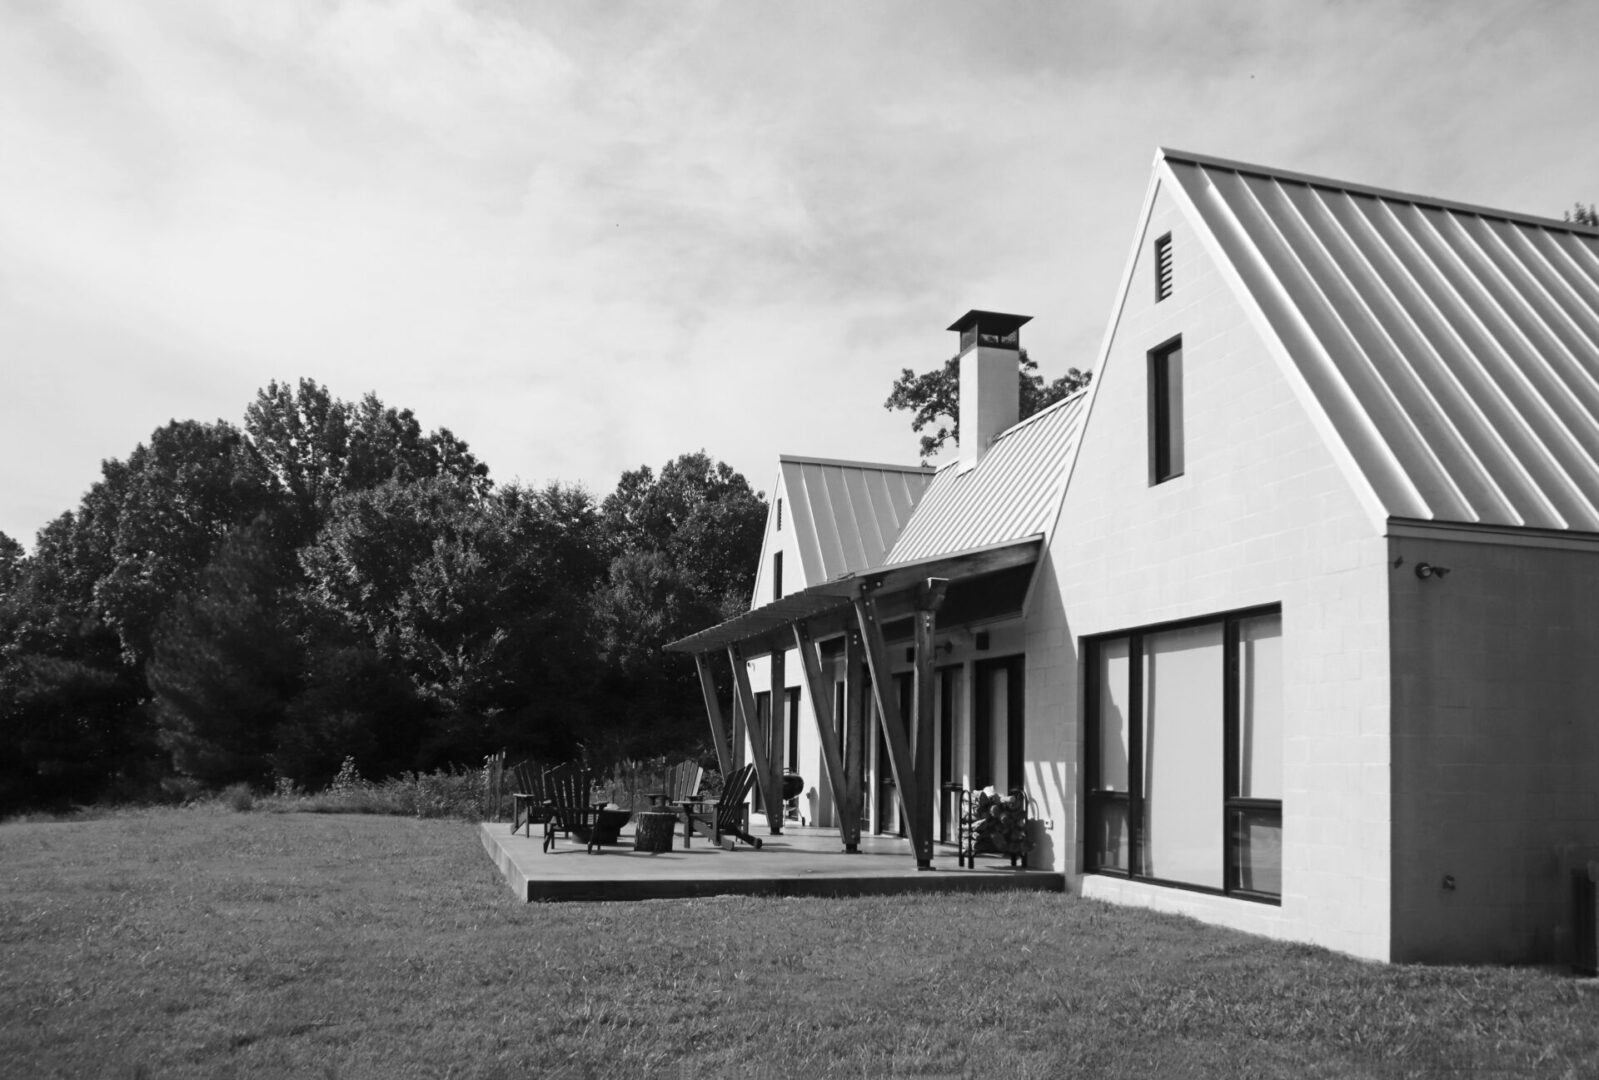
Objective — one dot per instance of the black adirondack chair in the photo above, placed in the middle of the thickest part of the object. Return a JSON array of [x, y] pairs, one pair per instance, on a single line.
[[726, 814], [574, 812], [679, 785], [530, 802]]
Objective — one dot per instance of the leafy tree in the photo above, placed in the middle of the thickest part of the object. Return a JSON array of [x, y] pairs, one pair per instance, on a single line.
[[647, 601], [482, 601], [166, 512], [702, 515], [70, 729], [353, 703], [226, 663], [1584, 215], [686, 545], [933, 397], [12, 558], [319, 447]]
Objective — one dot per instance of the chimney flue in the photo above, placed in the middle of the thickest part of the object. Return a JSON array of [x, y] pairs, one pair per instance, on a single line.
[[989, 395]]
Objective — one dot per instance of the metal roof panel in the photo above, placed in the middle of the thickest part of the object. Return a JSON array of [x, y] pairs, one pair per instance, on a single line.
[[1454, 349]]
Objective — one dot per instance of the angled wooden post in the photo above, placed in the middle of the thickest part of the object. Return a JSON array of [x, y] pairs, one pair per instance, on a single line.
[[713, 709], [776, 735], [757, 727], [929, 597], [906, 782], [849, 827], [854, 739]]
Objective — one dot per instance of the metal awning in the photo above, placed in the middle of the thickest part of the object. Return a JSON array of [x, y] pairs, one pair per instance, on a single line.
[[830, 598]]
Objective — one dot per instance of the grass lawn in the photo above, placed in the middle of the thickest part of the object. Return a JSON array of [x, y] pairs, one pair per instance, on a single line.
[[206, 943]]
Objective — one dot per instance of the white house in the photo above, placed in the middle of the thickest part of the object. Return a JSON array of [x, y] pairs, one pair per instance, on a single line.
[[1288, 623]]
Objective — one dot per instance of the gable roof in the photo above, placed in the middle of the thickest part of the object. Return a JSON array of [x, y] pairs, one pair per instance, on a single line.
[[1452, 350], [1014, 491], [846, 515]]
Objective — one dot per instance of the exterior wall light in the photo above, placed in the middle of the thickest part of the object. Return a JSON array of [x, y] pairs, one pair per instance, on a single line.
[[1425, 570]]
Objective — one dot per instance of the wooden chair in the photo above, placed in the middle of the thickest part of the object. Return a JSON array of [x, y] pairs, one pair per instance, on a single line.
[[680, 784], [726, 815], [530, 803], [574, 812]]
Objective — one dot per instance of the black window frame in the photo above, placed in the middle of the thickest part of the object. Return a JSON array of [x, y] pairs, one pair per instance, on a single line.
[[777, 575], [1095, 800], [1165, 368], [1163, 268]]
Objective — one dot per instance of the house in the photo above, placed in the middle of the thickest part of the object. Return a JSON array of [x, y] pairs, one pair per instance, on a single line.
[[1288, 622]]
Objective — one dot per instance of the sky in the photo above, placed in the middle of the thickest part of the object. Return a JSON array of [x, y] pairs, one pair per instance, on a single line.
[[589, 237]]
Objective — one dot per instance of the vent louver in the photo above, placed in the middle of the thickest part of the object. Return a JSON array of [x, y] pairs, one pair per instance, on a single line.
[[1163, 268]]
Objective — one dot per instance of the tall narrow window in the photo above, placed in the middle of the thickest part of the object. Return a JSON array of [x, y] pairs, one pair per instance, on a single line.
[[777, 575], [1162, 268], [1166, 412], [1255, 786], [791, 759], [779, 515]]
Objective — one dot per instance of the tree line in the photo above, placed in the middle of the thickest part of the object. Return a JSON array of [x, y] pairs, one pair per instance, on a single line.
[[243, 604]]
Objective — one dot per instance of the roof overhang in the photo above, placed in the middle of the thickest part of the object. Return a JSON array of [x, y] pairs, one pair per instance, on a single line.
[[827, 607]]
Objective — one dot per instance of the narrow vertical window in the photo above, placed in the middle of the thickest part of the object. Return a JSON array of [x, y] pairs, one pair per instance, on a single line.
[[1162, 268], [779, 515], [1166, 412], [777, 575], [791, 749]]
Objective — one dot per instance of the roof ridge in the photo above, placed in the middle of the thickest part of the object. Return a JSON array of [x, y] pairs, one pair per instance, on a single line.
[[806, 459], [1372, 190]]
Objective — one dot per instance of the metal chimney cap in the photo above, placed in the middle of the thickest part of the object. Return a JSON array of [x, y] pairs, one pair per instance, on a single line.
[[993, 322]]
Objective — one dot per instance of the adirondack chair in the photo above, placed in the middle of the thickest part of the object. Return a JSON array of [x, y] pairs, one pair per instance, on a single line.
[[726, 815], [530, 803], [574, 812], [680, 784]]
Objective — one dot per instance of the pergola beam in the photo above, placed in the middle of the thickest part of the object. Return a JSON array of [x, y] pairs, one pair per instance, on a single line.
[[713, 710], [899, 750], [758, 729], [828, 728]]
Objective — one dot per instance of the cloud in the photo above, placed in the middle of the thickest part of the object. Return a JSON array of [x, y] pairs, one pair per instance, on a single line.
[[590, 236]]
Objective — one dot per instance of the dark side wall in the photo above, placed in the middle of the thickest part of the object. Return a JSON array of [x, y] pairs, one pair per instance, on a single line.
[[1495, 744]]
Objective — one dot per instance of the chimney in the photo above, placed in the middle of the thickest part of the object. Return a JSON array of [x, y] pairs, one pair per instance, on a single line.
[[990, 400]]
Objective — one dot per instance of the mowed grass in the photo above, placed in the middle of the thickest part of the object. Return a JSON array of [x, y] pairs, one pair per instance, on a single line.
[[206, 943]]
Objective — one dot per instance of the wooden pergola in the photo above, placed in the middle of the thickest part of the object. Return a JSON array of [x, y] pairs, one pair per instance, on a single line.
[[981, 583]]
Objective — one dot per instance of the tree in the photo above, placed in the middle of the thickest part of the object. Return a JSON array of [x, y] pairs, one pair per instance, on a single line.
[[646, 602], [935, 394], [686, 545], [12, 558], [318, 447], [702, 515], [481, 600], [170, 507], [70, 728], [1584, 215]]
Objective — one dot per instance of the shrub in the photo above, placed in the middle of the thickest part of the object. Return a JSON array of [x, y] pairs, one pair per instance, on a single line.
[[239, 798]]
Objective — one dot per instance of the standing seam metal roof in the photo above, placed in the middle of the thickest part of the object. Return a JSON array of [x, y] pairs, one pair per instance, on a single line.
[[1455, 350], [846, 515], [1013, 491]]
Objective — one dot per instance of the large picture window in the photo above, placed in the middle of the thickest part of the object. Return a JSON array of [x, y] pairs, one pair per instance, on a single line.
[[1184, 759]]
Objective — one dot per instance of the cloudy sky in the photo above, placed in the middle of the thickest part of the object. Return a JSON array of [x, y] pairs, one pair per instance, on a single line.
[[591, 236]]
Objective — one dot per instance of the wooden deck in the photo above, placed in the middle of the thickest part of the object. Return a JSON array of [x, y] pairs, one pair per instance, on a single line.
[[801, 862]]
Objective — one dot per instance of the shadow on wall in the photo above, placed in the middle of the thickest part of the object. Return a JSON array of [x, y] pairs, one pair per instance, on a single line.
[[1048, 778]]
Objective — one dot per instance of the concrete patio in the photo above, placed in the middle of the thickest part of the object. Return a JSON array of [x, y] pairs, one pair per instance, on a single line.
[[801, 862]]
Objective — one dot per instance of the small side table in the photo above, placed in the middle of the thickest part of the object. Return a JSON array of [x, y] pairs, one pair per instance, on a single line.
[[653, 830]]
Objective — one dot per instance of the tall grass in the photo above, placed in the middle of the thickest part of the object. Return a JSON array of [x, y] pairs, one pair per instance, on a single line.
[[459, 793]]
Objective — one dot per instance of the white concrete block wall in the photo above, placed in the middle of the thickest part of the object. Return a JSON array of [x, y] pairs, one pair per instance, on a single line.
[[1496, 747], [1261, 515]]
